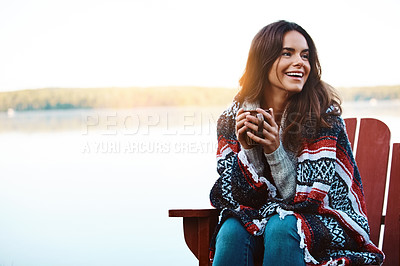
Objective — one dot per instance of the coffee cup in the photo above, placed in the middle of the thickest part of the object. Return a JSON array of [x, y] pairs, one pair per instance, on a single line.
[[260, 129]]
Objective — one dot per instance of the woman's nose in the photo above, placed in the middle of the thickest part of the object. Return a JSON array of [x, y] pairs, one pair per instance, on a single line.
[[298, 60]]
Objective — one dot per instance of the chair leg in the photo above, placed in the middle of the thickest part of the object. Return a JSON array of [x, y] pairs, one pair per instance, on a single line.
[[198, 232]]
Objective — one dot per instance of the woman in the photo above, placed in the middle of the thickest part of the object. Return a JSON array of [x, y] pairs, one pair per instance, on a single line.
[[289, 188]]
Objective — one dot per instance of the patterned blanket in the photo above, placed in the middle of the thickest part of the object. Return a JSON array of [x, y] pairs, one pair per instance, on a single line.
[[329, 202]]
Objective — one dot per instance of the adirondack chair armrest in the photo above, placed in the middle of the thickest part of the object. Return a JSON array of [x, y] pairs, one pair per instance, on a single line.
[[193, 213], [198, 228]]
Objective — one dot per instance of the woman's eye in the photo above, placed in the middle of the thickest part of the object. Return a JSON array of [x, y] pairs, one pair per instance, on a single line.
[[305, 56], [286, 54]]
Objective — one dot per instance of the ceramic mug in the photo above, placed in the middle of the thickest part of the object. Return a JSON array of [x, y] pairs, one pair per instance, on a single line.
[[260, 129]]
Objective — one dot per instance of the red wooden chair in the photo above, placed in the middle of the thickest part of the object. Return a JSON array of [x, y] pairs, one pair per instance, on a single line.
[[372, 156]]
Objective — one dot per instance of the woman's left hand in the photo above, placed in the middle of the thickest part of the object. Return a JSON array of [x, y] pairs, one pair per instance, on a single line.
[[271, 141]]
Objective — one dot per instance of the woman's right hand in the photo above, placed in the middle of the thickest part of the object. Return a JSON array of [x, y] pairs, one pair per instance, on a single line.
[[241, 128]]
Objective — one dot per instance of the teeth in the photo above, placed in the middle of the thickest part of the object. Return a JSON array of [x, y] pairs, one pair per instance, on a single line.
[[295, 74]]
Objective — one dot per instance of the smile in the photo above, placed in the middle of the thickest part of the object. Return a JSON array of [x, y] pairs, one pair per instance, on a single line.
[[295, 74]]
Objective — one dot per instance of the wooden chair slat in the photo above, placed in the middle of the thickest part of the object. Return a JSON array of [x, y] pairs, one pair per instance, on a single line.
[[391, 243], [372, 159], [351, 124]]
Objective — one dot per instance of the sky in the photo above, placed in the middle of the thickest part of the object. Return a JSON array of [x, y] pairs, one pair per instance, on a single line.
[[143, 43]]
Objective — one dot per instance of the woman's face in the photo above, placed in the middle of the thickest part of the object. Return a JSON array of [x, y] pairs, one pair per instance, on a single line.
[[290, 70]]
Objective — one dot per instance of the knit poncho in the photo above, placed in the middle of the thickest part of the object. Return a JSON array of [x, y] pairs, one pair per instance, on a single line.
[[329, 201]]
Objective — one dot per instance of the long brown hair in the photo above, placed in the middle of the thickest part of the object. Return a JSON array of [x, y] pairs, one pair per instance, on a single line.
[[306, 111]]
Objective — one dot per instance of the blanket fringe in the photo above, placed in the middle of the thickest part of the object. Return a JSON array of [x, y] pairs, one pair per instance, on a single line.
[[307, 256], [261, 226], [272, 189], [332, 262], [282, 213]]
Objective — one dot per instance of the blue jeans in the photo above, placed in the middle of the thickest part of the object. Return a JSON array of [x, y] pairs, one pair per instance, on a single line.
[[280, 244]]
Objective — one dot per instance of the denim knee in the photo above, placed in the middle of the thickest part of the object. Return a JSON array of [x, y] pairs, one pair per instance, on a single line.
[[278, 228], [282, 242], [232, 231], [235, 246]]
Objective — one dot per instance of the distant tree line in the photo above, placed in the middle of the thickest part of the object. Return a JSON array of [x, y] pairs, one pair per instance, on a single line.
[[72, 98], [368, 93], [69, 98]]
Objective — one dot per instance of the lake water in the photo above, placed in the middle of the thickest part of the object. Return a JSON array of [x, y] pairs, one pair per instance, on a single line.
[[93, 187]]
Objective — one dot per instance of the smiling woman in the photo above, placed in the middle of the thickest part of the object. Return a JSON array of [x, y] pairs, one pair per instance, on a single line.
[[298, 189]]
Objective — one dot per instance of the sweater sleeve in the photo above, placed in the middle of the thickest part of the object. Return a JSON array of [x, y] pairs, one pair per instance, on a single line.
[[283, 172]]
